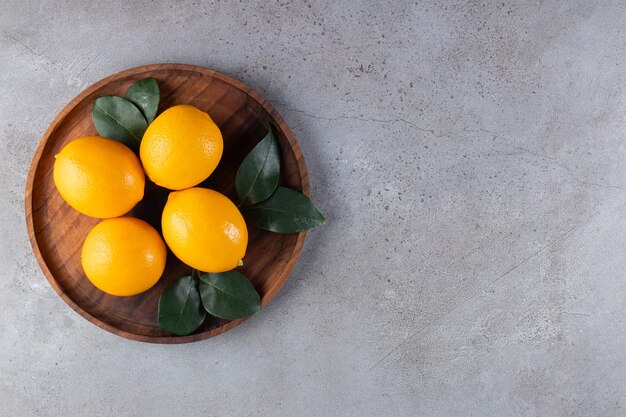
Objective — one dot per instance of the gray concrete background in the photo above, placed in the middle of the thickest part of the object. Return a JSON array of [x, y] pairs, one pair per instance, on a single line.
[[469, 156]]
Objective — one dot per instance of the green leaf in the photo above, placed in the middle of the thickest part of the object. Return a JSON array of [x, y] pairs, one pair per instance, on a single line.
[[180, 311], [119, 119], [257, 176], [229, 295], [286, 211], [145, 95]]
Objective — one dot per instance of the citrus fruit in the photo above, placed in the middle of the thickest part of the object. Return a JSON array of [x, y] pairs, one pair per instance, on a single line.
[[99, 177], [204, 229], [181, 147], [123, 256]]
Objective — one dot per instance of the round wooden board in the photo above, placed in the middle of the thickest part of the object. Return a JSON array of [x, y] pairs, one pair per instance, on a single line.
[[57, 231]]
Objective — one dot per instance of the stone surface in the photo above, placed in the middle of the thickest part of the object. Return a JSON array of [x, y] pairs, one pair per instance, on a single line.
[[469, 157]]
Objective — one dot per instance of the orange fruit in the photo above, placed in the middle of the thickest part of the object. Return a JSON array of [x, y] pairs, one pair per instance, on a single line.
[[181, 147], [99, 177], [204, 229], [123, 256]]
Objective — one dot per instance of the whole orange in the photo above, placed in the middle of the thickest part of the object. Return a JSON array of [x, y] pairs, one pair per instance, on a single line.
[[99, 177], [123, 256], [204, 229], [181, 147]]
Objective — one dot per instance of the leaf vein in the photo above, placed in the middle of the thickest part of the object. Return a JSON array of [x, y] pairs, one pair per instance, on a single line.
[[290, 214], [117, 121], [180, 315], [256, 177], [225, 292]]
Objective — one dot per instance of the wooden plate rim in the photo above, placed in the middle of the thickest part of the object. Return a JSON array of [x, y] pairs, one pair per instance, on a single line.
[[277, 118]]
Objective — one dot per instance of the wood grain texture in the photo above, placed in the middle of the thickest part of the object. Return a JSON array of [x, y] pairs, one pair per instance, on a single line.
[[57, 232]]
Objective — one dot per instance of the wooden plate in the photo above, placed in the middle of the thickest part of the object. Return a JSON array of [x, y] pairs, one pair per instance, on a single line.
[[57, 231]]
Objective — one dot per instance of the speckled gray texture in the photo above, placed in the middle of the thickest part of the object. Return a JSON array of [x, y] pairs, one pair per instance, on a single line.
[[469, 157]]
